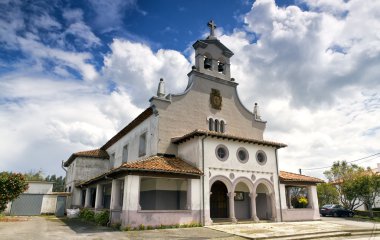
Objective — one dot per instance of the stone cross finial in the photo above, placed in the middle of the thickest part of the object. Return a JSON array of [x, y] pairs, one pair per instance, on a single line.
[[212, 27]]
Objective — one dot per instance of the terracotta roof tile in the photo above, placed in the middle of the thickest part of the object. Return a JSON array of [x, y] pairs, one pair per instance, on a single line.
[[159, 164], [293, 177], [96, 153], [200, 132], [162, 164]]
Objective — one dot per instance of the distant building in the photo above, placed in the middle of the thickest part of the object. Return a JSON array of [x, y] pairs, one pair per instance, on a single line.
[[38, 199], [199, 156]]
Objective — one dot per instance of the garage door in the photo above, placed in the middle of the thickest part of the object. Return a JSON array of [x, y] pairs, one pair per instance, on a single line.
[[27, 205]]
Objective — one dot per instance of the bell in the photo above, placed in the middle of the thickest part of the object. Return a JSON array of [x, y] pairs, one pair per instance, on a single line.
[[207, 63], [220, 67]]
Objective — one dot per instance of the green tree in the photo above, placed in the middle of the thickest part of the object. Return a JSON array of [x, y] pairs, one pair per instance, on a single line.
[[33, 175], [59, 182], [11, 186], [368, 185], [327, 194], [342, 175]]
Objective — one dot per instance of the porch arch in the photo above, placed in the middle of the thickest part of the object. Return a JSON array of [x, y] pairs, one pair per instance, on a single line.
[[265, 199], [224, 180]]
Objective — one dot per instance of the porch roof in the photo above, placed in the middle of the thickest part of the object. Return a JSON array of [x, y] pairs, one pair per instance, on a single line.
[[153, 165], [288, 177], [201, 132], [96, 153]]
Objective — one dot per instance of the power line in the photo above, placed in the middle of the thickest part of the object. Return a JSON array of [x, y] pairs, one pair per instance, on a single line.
[[317, 168]]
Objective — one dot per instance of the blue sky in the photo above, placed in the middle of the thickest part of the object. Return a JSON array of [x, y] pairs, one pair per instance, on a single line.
[[72, 73]]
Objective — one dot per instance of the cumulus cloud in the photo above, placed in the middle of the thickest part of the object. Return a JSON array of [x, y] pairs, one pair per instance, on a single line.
[[137, 69], [314, 73]]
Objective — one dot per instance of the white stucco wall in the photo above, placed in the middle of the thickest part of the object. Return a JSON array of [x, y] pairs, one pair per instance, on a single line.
[[148, 126], [49, 203], [39, 187]]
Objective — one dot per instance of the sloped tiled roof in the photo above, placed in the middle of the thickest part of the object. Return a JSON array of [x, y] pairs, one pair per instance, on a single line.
[[139, 119], [167, 164], [153, 164], [294, 177], [96, 153], [200, 132]]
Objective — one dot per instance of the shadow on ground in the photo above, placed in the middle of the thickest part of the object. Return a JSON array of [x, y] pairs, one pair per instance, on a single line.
[[79, 226]]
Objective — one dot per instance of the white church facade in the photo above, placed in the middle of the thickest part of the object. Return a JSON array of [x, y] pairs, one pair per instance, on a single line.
[[195, 157]]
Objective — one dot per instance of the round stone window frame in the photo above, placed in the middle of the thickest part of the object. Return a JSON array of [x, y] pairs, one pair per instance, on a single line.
[[226, 150], [264, 155], [246, 155]]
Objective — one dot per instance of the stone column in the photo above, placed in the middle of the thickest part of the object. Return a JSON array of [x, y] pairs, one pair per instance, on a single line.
[[87, 201], [253, 207], [288, 198], [188, 195], [231, 196], [310, 198], [115, 195], [99, 197]]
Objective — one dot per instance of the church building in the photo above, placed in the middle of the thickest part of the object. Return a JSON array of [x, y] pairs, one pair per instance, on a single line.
[[195, 157]]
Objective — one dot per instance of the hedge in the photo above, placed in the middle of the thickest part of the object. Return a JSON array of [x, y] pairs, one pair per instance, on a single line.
[[366, 213]]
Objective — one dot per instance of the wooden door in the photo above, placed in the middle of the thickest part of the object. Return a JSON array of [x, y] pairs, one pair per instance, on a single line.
[[218, 201]]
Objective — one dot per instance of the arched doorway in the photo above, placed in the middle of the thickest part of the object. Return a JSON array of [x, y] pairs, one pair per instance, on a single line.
[[242, 201], [218, 200], [263, 202]]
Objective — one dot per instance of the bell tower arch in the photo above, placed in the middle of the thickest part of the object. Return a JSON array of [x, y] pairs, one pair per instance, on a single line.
[[212, 57]]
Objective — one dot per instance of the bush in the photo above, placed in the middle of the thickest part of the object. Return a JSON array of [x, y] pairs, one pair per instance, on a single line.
[[11, 186], [102, 218], [366, 213], [87, 214]]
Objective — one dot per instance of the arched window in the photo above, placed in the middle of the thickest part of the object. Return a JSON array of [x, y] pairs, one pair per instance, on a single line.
[[216, 129], [207, 63], [222, 126], [220, 67], [211, 124]]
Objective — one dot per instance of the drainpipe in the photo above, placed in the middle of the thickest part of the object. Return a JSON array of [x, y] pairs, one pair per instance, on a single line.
[[278, 184], [63, 167], [203, 180]]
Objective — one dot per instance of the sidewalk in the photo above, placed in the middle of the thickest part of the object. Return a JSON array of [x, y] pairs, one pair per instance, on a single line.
[[302, 230]]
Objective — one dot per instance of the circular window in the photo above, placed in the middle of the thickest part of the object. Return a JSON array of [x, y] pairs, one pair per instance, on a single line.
[[242, 155], [261, 157], [221, 152]]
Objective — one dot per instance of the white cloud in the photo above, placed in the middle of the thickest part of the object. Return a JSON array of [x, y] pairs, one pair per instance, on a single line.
[[137, 69]]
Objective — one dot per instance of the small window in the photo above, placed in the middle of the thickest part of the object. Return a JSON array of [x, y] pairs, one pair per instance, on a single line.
[[112, 160], [207, 63], [221, 152], [69, 189], [125, 153], [242, 155], [216, 128], [222, 126], [261, 157], [142, 145], [211, 124]]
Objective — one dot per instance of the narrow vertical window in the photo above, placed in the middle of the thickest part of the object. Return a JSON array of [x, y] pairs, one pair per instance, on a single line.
[[211, 124], [222, 126], [207, 63], [216, 128], [220, 67], [125, 153], [112, 160], [142, 145]]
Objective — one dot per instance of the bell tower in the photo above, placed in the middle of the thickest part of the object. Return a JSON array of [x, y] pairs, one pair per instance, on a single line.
[[212, 57]]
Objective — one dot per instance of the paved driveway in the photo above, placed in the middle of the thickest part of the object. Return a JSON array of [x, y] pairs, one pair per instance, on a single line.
[[47, 228]]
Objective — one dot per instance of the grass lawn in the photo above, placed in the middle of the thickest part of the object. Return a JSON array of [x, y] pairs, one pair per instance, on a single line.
[[375, 219]]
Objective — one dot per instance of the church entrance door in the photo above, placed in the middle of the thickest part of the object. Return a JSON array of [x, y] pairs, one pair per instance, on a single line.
[[218, 200]]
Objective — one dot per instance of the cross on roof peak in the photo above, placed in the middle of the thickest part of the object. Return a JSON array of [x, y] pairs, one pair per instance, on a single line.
[[211, 24]]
